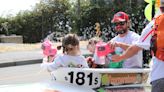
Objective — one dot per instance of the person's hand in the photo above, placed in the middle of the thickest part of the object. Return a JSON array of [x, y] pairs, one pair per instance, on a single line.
[[90, 62], [45, 60], [89, 59], [116, 58], [113, 44]]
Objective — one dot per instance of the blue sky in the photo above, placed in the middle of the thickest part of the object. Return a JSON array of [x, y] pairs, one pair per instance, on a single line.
[[14, 6]]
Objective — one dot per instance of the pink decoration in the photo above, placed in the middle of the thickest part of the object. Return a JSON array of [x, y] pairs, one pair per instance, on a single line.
[[48, 49], [103, 49]]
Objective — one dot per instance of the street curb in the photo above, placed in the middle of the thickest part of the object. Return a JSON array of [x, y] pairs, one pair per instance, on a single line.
[[27, 62], [19, 63]]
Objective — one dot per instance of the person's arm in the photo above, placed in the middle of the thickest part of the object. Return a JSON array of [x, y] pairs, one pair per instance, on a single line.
[[114, 44], [53, 65], [84, 62], [124, 46], [131, 51]]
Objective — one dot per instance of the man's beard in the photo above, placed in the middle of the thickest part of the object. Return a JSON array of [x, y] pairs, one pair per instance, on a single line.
[[121, 31]]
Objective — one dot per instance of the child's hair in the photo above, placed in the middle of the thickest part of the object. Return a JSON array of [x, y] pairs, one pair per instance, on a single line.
[[68, 42], [92, 43], [94, 40]]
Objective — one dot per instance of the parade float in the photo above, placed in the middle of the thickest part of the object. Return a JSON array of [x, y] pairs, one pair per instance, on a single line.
[[104, 80]]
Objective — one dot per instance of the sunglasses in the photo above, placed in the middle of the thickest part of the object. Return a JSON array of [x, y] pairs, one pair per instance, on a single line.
[[119, 23]]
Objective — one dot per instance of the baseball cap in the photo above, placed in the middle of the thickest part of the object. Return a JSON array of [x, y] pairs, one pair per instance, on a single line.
[[161, 3], [120, 16]]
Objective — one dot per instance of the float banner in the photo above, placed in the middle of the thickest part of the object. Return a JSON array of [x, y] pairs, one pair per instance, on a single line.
[[114, 79]]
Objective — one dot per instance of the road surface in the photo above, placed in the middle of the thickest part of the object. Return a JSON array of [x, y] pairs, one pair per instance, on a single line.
[[23, 74]]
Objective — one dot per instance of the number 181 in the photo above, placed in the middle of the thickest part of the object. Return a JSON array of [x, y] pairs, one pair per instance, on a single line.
[[80, 80]]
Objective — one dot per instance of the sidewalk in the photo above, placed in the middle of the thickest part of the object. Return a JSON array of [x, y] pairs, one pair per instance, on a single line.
[[16, 58], [20, 58]]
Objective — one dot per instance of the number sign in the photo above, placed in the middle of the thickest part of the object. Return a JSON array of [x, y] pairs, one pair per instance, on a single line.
[[81, 78]]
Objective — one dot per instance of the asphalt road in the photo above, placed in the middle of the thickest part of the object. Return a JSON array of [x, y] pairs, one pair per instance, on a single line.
[[23, 74]]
